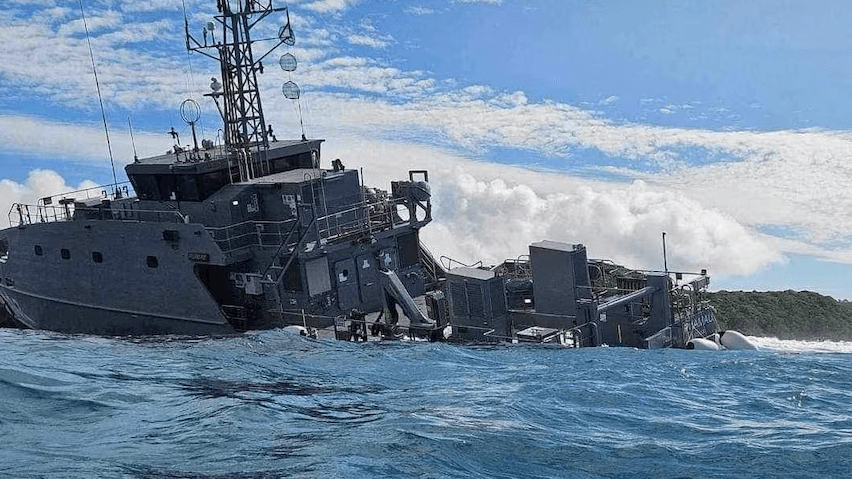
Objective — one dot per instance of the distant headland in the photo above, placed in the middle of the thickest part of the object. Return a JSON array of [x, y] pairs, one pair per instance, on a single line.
[[801, 315]]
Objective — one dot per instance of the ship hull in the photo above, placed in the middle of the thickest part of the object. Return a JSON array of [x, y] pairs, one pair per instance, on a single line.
[[37, 311], [92, 277]]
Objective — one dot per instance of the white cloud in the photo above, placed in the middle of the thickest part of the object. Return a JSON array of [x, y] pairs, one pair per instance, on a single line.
[[39, 184], [326, 6], [150, 5], [75, 142], [95, 23], [491, 212], [419, 10], [54, 63], [610, 100], [792, 180], [370, 41]]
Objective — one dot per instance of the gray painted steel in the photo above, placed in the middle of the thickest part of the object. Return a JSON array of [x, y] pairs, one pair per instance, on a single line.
[[255, 234]]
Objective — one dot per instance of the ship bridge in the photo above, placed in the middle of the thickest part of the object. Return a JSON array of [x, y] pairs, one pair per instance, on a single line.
[[189, 175]]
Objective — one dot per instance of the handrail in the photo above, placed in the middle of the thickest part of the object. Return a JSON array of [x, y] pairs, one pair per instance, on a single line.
[[451, 261], [66, 212], [278, 251], [48, 200], [361, 218]]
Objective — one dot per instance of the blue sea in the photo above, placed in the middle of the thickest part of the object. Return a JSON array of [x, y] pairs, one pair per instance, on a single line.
[[273, 404]]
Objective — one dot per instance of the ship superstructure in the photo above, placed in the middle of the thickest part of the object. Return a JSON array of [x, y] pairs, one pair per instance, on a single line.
[[556, 294], [216, 238], [254, 233]]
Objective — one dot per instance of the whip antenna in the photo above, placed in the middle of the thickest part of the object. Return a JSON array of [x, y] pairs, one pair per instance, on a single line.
[[132, 141], [116, 193]]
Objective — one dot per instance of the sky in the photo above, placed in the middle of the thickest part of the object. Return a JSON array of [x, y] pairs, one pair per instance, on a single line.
[[724, 124]]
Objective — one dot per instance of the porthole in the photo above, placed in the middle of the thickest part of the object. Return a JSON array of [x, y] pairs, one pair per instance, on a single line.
[[38, 250], [97, 257], [65, 253], [152, 262]]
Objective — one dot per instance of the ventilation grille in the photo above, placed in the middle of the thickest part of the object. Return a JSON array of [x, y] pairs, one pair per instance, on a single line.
[[459, 299], [475, 300]]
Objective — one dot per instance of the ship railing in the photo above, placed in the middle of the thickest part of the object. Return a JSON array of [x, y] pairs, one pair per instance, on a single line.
[[698, 324], [334, 222], [112, 191], [362, 218], [131, 214], [434, 271], [450, 263], [248, 234], [61, 207], [517, 268], [22, 214]]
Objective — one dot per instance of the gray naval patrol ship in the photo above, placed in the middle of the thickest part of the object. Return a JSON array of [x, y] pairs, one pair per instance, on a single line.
[[254, 234], [214, 239]]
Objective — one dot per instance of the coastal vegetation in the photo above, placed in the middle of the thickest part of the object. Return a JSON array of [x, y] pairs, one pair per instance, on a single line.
[[801, 315]]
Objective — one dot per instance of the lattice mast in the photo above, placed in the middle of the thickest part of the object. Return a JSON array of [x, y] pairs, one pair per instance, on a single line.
[[241, 109]]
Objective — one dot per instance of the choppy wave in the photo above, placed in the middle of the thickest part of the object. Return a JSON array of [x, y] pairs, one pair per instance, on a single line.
[[271, 404], [792, 346]]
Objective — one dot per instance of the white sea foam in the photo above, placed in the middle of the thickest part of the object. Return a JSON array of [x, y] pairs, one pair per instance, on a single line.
[[792, 346]]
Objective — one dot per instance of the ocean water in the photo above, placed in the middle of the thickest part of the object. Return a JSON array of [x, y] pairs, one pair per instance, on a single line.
[[272, 404]]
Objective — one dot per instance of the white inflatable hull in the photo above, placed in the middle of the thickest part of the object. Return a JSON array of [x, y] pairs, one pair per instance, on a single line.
[[702, 344], [735, 340], [301, 331]]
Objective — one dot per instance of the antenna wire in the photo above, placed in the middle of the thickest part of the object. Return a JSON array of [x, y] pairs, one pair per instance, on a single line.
[[115, 191]]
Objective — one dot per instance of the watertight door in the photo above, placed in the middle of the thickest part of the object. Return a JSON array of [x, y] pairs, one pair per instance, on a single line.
[[368, 279], [347, 284]]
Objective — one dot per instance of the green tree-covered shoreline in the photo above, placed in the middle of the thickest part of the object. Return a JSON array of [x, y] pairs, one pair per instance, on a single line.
[[801, 315]]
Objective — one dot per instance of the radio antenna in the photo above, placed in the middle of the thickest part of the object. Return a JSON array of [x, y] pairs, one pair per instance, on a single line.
[[116, 193], [132, 141]]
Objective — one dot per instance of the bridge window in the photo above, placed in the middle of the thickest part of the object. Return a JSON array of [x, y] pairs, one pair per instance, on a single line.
[[38, 250], [65, 253], [179, 187], [4, 250], [145, 186], [97, 257], [211, 182], [152, 262]]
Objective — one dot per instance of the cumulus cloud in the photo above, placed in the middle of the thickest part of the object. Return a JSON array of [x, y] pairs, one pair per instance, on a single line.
[[794, 179], [74, 142], [326, 6], [51, 60], [419, 10], [39, 184], [370, 41], [788, 181], [491, 212], [610, 100], [494, 219]]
